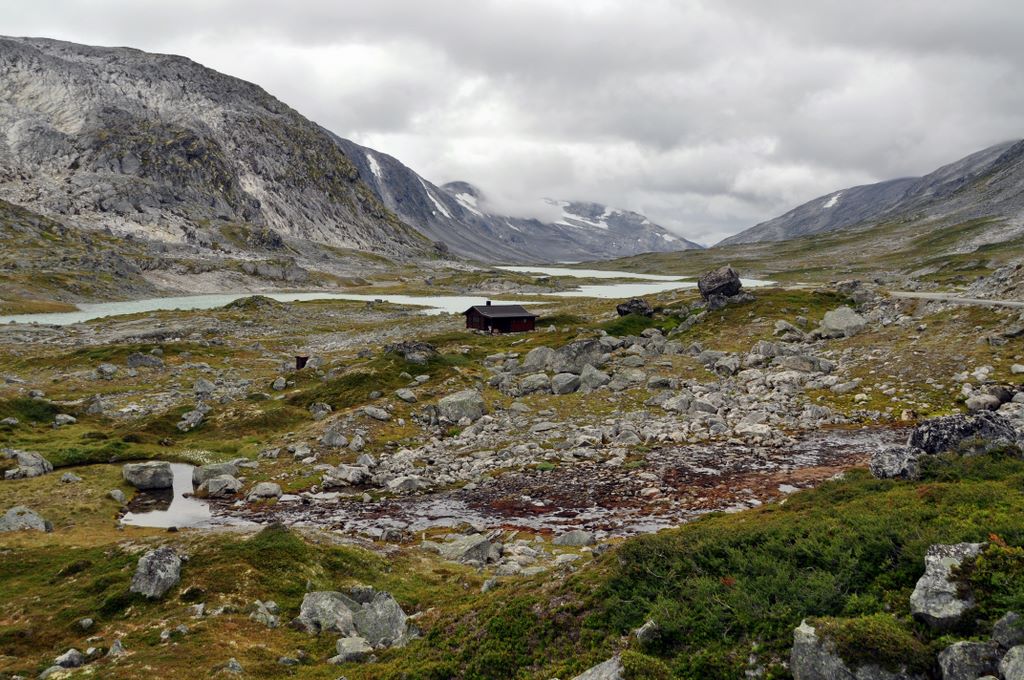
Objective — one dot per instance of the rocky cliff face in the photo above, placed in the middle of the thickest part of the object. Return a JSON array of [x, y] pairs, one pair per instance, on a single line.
[[162, 147], [457, 214], [989, 183]]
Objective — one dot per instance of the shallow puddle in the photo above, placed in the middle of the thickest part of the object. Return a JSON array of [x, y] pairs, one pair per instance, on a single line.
[[170, 507]]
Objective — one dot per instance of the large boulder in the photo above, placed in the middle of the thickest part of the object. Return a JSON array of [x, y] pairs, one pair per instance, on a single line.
[[565, 383], [575, 356], [326, 611], [936, 599], [351, 649], [1009, 630], [157, 572], [205, 472], [465, 404], [220, 486], [28, 464], [815, 657], [575, 538], [472, 548], [634, 306], [364, 612], [611, 669], [723, 281], [895, 462], [969, 660], [592, 378], [20, 518], [967, 434], [1012, 665], [148, 476], [264, 491], [344, 475], [380, 619], [537, 359], [140, 360], [413, 351], [842, 322]]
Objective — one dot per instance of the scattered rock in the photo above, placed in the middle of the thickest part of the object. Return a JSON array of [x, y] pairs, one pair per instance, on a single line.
[[377, 413], [575, 538], [895, 462], [319, 410], [219, 487], [412, 351], [465, 404], [334, 436], [612, 669], [969, 660], [842, 322], [62, 419], [202, 473], [936, 599], [575, 356], [406, 395], [816, 658], [117, 495], [351, 649], [472, 548], [264, 491], [203, 387], [157, 572], [634, 306], [364, 612], [69, 478], [140, 360], [325, 611], [20, 518], [29, 464], [565, 383], [70, 659], [1009, 630], [592, 378], [266, 613], [1012, 665]]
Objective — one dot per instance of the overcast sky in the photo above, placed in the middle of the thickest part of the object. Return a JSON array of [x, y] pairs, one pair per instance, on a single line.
[[706, 116]]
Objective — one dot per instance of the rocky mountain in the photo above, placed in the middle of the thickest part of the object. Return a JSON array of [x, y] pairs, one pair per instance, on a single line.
[[989, 183], [162, 147], [458, 215]]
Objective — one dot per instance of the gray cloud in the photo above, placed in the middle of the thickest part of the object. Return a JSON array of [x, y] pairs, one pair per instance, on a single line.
[[706, 116]]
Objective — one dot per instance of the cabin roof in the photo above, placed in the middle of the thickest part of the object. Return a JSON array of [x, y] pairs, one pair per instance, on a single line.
[[501, 311]]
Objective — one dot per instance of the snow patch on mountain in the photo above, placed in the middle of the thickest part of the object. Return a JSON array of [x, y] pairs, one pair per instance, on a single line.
[[437, 204], [374, 166], [468, 201]]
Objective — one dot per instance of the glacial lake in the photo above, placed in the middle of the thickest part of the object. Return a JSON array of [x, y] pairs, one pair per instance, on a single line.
[[639, 285]]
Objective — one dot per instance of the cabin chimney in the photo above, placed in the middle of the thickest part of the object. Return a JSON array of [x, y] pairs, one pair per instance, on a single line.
[[488, 303]]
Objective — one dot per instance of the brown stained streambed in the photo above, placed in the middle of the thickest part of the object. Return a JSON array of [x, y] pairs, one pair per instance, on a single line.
[[672, 485]]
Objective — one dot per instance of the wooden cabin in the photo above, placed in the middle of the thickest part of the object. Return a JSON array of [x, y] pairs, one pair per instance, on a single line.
[[500, 318]]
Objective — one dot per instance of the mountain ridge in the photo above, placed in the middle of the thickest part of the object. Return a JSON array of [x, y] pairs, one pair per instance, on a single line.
[[986, 183], [457, 214], [161, 147]]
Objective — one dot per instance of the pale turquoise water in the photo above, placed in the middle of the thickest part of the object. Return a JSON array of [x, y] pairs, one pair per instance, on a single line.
[[647, 284]]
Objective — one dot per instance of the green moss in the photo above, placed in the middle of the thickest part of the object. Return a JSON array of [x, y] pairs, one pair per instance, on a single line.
[[637, 666], [29, 410], [877, 639]]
